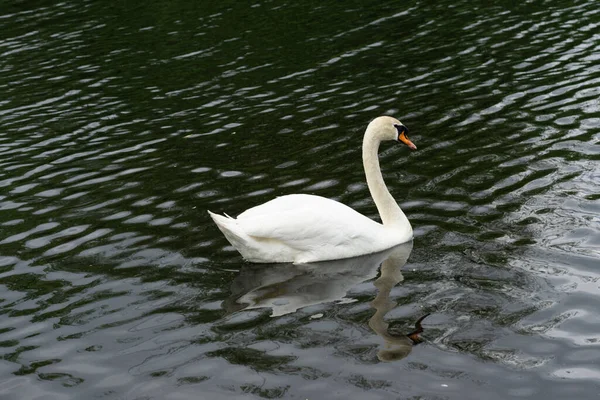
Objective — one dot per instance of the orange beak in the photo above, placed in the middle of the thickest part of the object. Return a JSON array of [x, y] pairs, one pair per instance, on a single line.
[[406, 141]]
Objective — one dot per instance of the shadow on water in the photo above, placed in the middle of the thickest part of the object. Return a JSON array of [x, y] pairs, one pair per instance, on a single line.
[[286, 288]]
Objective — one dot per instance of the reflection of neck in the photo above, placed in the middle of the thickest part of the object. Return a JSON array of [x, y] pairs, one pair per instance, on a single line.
[[389, 211], [396, 347]]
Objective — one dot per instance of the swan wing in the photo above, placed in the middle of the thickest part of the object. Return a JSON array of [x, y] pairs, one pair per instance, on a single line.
[[312, 225]]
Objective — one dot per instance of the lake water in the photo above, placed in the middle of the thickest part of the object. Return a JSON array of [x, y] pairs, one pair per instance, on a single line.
[[121, 123]]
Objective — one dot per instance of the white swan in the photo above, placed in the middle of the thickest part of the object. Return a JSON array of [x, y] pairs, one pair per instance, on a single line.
[[303, 228]]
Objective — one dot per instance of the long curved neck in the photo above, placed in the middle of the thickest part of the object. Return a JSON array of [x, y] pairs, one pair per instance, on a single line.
[[389, 211]]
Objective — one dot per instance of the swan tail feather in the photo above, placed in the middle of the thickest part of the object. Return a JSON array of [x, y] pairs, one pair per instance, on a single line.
[[252, 248], [234, 235]]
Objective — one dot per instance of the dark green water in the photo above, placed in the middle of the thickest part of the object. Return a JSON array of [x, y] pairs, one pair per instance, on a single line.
[[120, 124]]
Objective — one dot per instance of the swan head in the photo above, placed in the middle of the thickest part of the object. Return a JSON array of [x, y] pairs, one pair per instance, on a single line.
[[388, 128]]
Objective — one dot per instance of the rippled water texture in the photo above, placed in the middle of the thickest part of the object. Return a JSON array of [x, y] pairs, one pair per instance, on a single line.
[[120, 124]]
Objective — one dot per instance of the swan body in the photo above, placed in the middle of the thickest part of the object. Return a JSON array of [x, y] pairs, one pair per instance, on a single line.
[[303, 228]]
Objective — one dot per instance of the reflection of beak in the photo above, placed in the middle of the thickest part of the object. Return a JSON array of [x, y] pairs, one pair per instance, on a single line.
[[406, 141], [414, 335]]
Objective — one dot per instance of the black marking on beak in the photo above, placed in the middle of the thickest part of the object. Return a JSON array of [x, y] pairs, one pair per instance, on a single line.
[[414, 335], [401, 129]]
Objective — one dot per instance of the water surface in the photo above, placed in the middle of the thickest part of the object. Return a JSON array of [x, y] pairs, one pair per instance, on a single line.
[[120, 124]]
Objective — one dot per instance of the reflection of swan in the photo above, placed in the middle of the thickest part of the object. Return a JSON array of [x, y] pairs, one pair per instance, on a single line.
[[303, 228], [396, 346], [286, 288]]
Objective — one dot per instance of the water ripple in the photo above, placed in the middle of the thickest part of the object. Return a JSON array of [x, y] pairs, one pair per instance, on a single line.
[[120, 129]]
